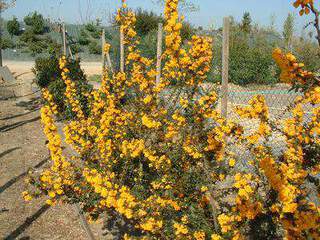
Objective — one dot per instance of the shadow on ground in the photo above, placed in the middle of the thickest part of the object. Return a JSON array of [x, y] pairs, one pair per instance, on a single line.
[[9, 127], [8, 151], [27, 223], [19, 115], [17, 178]]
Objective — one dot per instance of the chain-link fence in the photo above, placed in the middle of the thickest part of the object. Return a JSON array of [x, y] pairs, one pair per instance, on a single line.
[[278, 98]]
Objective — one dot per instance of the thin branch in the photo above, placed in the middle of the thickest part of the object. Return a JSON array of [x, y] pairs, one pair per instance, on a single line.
[[316, 21]]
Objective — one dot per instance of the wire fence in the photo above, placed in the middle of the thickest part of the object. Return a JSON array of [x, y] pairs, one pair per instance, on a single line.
[[278, 98]]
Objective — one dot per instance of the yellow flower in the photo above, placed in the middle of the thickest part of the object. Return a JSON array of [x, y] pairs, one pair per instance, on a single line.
[[215, 237], [147, 99], [151, 225], [180, 229], [199, 235], [232, 162], [185, 219], [26, 196], [221, 176], [149, 122], [204, 189], [51, 194]]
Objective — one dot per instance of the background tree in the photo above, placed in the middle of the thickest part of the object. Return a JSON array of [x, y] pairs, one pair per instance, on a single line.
[[272, 23], [288, 30], [3, 6], [146, 21], [246, 23], [13, 27], [36, 22]]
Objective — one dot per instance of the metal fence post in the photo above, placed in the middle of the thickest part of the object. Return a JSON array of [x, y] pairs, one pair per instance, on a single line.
[[225, 67]]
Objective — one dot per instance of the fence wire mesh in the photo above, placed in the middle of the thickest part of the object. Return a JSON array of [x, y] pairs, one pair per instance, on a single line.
[[278, 98]]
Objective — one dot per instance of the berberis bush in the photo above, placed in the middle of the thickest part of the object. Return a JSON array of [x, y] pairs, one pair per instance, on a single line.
[[161, 158]]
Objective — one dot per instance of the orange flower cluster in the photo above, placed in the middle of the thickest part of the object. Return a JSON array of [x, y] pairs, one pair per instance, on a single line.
[[173, 25], [49, 98], [291, 70], [198, 60], [305, 6], [126, 18], [288, 176]]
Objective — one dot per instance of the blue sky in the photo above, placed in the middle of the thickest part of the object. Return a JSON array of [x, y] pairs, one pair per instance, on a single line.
[[211, 11]]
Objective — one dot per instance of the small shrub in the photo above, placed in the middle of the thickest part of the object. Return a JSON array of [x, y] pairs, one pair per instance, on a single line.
[[250, 65], [149, 44], [83, 38], [91, 27], [37, 47], [6, 43], [28, 36], [48, 75], [96, 34], [53, 47], [250, 59], [46, 71], [305, 50], [75, 48], [147, 22], [187, 31], [94, 48], [38, 44], [13, 27]]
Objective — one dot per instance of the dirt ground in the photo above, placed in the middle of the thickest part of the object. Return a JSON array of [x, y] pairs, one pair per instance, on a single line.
[[22, 146], [24, 67]]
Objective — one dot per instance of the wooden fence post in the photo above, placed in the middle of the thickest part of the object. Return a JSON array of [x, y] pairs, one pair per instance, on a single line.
[[109, 62], [103, 43], [121, 50], [64, 40], [159, 53], [70, 52], [225, 67], [106, 60]]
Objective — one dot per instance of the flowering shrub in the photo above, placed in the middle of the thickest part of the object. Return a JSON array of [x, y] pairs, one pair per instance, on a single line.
[[159, 156], [49, 78]]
